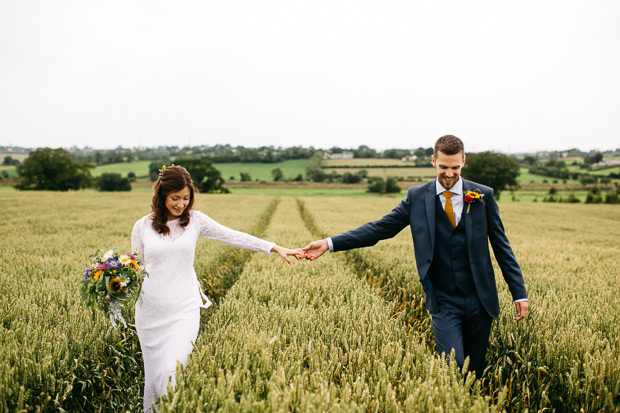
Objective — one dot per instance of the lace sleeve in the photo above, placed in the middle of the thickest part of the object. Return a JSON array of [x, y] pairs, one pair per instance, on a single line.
[[209, 228], [136, 238]]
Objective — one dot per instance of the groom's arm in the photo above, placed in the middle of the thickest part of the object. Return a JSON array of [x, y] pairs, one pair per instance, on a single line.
[[372, 232], [505, 257], [366, 235]]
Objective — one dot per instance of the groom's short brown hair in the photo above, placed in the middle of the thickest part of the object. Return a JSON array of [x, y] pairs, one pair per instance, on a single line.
[[450, 145]]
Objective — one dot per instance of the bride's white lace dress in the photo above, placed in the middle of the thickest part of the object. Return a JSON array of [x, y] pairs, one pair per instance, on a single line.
[[168, 309]]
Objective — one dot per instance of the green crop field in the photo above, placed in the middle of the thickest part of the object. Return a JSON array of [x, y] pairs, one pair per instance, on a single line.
[[11, 170], [262, 171], [525, 178], [407, 173], [605, 171], [140, 168], [361, 162], [345, 333]]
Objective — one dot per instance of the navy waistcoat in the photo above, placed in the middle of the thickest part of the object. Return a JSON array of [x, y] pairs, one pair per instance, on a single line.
[[450, 268]]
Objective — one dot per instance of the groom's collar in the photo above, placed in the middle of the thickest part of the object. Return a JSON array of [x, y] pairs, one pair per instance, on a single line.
[[456, 189]]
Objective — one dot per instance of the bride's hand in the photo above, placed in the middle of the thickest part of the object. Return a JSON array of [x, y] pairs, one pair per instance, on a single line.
[[285, 252]]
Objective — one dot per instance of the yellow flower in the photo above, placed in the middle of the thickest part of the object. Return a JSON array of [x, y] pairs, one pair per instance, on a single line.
[[125, 260], [97, 274], [115, 285], [473, 195]]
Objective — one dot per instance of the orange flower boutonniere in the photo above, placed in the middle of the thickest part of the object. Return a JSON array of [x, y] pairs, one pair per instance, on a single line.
[[473, 196]]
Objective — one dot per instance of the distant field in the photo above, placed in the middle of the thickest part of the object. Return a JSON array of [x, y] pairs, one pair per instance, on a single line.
[[538, 195], [605, 172], [140, 168], [262, 171], [11, 170], [364, 162], [19, 156], [526, 177], [389, 172], [311, 192]]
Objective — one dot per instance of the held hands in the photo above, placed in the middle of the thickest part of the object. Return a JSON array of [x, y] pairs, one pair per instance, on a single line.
[[315, 249], [521, 307], [285, 252], [310, 252]]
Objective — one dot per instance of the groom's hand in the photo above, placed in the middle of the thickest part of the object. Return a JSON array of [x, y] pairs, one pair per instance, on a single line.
[[315, 249], [521, 310]]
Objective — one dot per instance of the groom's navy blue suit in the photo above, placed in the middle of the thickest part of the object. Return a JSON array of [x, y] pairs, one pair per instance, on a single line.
[[454, 264]]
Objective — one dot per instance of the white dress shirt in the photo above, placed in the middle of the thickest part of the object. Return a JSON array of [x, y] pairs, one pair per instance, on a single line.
[[457, 198]]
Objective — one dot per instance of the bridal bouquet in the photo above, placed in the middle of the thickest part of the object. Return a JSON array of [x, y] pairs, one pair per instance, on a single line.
[[112, 278]]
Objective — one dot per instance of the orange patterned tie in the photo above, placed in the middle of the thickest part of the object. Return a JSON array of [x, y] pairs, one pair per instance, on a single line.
[[448, 209]]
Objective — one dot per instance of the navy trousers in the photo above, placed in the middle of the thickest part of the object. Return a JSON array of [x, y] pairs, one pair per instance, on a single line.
[[462, 324]]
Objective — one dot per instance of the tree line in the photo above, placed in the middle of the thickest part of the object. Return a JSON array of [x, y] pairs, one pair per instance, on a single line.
[[236, 154], [58, 170]]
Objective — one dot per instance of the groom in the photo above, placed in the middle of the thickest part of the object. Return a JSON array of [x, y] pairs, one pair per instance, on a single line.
[[451, 222]]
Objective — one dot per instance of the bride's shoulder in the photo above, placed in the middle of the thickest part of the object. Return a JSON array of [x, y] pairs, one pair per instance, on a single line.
[[145, 219], [194, 213]]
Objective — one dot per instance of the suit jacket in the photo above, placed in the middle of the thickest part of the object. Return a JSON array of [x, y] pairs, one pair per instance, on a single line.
[[482, 224]]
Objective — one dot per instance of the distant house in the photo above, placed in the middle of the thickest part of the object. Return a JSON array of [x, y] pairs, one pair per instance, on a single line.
[[343, 155], [609, 163], [410, 158]]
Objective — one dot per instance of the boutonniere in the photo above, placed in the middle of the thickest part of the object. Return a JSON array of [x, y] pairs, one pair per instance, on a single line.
[[473, 196]]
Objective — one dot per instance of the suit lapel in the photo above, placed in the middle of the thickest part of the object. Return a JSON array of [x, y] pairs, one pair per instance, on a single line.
[[430, 199], [465, 216]]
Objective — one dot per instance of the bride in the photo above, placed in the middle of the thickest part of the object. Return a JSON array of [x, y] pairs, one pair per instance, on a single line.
[[168, 309]]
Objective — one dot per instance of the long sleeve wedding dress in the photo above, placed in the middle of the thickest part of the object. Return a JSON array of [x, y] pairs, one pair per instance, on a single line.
[[168, 309]]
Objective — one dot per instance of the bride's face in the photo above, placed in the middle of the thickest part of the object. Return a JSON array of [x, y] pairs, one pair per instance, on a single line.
[[176, 202]]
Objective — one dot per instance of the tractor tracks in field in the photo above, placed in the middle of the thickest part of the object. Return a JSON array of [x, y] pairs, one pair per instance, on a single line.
[[408, 305], [227, 268]]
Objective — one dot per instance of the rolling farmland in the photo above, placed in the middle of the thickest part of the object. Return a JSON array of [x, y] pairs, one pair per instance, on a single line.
[[345, 333]]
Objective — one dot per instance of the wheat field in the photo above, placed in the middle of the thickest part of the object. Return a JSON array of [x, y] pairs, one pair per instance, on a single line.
[[345, 333]]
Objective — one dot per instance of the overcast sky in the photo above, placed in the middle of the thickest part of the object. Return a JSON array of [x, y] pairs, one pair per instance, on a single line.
[[506, 76]]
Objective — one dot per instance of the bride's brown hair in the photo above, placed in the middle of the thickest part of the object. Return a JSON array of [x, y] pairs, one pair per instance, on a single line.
[[173, 179]]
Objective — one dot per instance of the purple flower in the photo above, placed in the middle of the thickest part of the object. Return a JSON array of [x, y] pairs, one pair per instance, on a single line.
[[102, 267], [112, 263], [87, 273]]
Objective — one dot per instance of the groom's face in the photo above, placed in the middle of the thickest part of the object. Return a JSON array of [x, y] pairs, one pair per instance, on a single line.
[[448, 167]]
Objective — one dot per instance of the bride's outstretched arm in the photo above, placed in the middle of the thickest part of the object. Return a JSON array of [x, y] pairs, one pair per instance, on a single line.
[[285, 252]]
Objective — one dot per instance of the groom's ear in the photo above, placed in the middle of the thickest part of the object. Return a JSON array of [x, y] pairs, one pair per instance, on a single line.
[[464, 157]]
